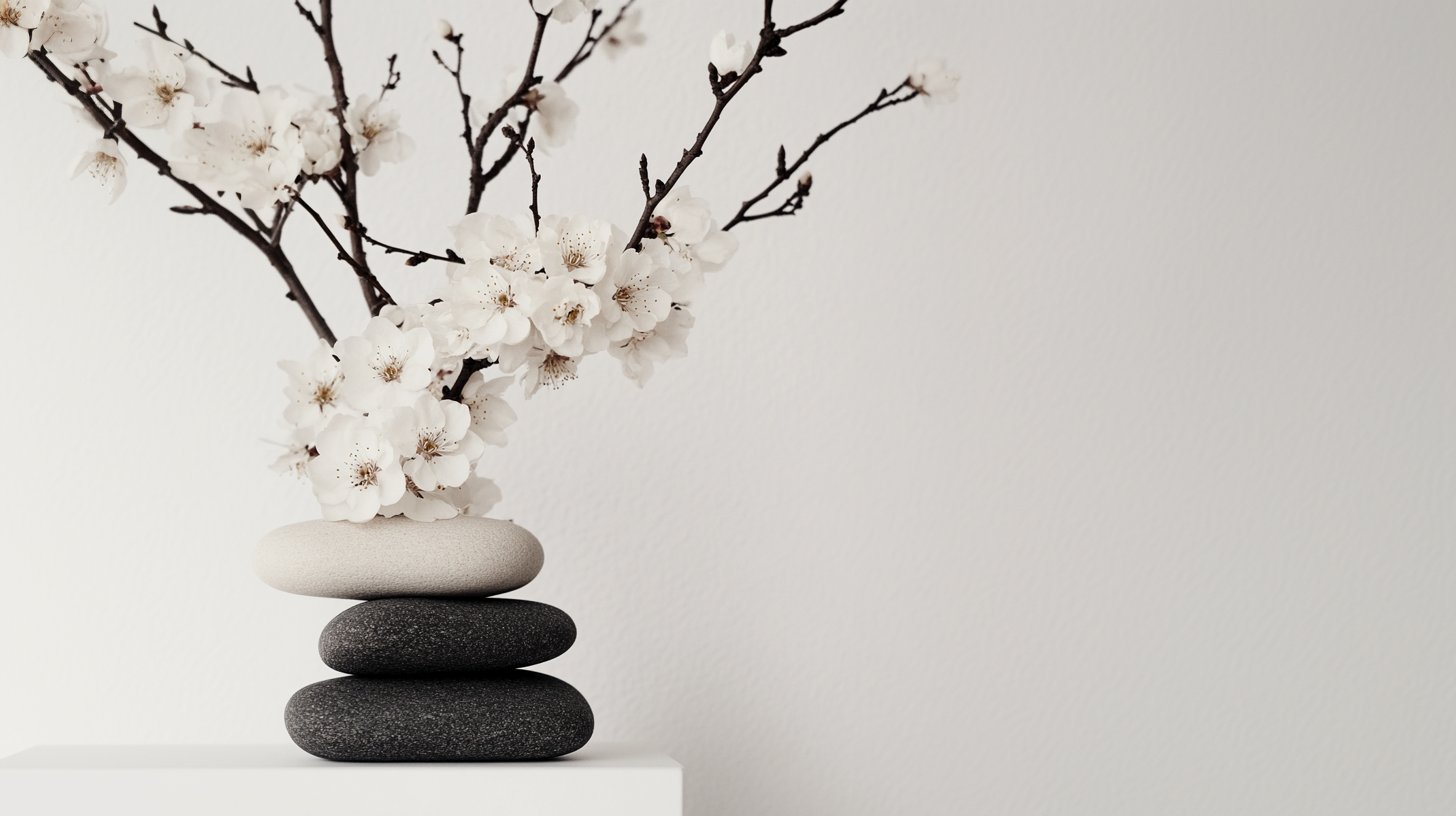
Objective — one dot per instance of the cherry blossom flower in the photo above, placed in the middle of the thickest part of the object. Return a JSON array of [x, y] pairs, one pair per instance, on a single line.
[[162, 91], [318, 132], [74, 34], [436, 441], [253, 149], [385, 367], [420, 505], [492, 305], [297, 452], [507, 243], [489, 413], [474, 498], [314, 388], [555, 120], [17, 18], [683, 217], [562, 311], [934, 80], [636, 295], [666, 341], [578, 247], [375, 135], [103, 161], [546, 367], [623, 36], [357, 471], [728, 55], [563, 10]]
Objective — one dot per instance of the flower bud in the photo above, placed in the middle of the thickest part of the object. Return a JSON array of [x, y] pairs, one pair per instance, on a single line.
[[342, 220], [444, 29]]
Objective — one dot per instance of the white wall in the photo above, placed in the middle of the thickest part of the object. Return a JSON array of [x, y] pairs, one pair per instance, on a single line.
[[1083, 447]]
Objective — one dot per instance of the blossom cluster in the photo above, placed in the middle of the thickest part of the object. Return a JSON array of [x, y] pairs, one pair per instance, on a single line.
[[375, 431]]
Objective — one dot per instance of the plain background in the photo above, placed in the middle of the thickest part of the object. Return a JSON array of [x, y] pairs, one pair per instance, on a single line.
[[1083, 447]]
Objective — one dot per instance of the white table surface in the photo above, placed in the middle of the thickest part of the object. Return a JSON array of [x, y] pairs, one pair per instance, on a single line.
[[602, 779]]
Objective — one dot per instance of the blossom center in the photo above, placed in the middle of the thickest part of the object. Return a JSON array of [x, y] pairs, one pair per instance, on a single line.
[[573, 315], [390, 370], [556, 370], [430, 445], [166, 93], [9, 15], [103, 166], [323, 394], [372, 129], [366, 474]]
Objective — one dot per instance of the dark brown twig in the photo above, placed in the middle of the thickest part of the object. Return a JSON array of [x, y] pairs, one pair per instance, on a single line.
[[391, 80], [416, 256], [468, 367], [886, 99], [205, 202], [589, 43], [366, 278], [347, 187], [229, 78], [529, 148], [770, 44], [478, 179], [468, 134]]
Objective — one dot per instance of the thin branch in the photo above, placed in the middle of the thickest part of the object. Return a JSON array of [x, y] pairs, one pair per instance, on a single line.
[[206, 203], [529, 148], [416, 256], [279, 220], [391, 81], [468, 367], [589, 44], [347, 188], [229, 78], [769, 45], [886, 99], [468, 134], [366, 278], [478, 179]]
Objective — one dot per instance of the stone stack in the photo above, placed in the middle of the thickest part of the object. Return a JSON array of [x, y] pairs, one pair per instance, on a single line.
[[436, 664]]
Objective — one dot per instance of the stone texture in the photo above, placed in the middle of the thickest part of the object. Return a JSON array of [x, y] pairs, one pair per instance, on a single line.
[[508, 715], [412, 636], [461, 557]]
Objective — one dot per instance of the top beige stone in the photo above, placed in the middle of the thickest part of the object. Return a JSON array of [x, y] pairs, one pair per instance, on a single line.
[[392, 558]]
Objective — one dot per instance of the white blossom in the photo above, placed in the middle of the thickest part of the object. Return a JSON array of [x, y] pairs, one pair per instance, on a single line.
[[297, 452], [489, 413], [934, 80], [562, 311], [666, 341], [75, 35], [636, 295], [420, 505], [623, 36], [103, 161], [492, 303], [546, 367], [357, 471], [252, 149], [444, 30], [563, 10], [728, 55], [555, 119], [375, 135], [507, 243], [384, 366], [162, 90], [715, 250], [314, 388], [435, 439], [318, 132], [475, 497], [577, 247], [17, 18], [683, 217]]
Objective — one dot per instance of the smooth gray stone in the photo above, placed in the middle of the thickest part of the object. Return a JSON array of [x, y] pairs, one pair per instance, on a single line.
[[414, 636], [508, 715]]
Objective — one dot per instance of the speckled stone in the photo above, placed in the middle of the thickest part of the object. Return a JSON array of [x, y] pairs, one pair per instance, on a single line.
[[507, 715], [413, 636], [462, 557]]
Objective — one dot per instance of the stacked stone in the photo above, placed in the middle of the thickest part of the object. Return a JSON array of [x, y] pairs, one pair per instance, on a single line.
[[436, 665]]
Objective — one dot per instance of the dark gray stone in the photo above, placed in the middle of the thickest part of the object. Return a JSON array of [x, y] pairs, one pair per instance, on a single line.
[[508, 715], [396, 637]]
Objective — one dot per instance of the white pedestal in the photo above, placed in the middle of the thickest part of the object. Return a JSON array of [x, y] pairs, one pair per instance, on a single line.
[[602, 779]]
